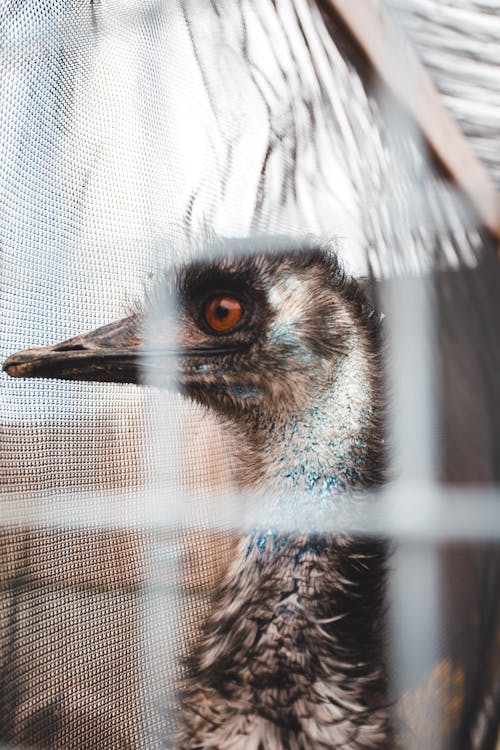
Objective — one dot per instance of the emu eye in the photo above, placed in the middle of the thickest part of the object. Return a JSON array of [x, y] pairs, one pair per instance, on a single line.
[[222, 312]]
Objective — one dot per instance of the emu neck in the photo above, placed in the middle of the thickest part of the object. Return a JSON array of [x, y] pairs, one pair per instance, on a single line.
[[322, 447], [293, 653]]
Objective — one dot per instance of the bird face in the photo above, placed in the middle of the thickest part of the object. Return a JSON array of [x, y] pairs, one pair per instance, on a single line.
[[251, 332], [261, 331]]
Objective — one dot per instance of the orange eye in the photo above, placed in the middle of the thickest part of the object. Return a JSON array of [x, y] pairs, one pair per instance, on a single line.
[[222, 312]]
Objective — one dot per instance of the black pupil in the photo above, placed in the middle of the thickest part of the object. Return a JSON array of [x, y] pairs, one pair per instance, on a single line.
[[221, 312]]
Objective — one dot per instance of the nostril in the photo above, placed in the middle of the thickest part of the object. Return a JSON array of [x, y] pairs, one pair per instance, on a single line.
[[69, 347]]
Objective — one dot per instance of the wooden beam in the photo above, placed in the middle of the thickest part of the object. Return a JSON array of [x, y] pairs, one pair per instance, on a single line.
[[398, 66]]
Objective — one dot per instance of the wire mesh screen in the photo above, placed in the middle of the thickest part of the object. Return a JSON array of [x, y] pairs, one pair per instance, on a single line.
[[143, 141]]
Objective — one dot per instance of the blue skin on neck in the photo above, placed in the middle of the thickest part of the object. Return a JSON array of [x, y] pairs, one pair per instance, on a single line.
[[271, 544], [313, 464], [317, 456]]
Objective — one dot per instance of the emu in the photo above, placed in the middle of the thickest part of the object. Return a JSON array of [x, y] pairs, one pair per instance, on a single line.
[[285, 349]]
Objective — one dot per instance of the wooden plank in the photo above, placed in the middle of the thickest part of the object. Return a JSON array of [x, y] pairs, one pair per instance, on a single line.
[[398, 66]]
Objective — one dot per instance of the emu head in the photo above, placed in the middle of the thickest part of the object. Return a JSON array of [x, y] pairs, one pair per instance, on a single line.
[[247, 333]]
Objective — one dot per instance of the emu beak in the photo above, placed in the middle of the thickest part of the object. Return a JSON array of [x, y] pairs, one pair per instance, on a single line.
[[114, 353], [108, 354]]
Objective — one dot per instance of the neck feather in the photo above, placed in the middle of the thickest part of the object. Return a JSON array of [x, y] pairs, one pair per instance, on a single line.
[[325, 446]]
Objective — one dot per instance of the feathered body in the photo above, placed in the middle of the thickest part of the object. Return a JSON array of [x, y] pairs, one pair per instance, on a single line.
[[292, 656]]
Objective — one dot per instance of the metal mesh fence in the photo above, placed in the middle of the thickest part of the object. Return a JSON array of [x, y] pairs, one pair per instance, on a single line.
[[134, 134]]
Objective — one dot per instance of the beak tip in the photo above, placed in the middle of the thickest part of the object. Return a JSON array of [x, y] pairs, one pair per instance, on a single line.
[[11, 370], [13, 367]]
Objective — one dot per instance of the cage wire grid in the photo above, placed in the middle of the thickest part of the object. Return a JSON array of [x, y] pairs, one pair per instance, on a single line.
[[130, 42]]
